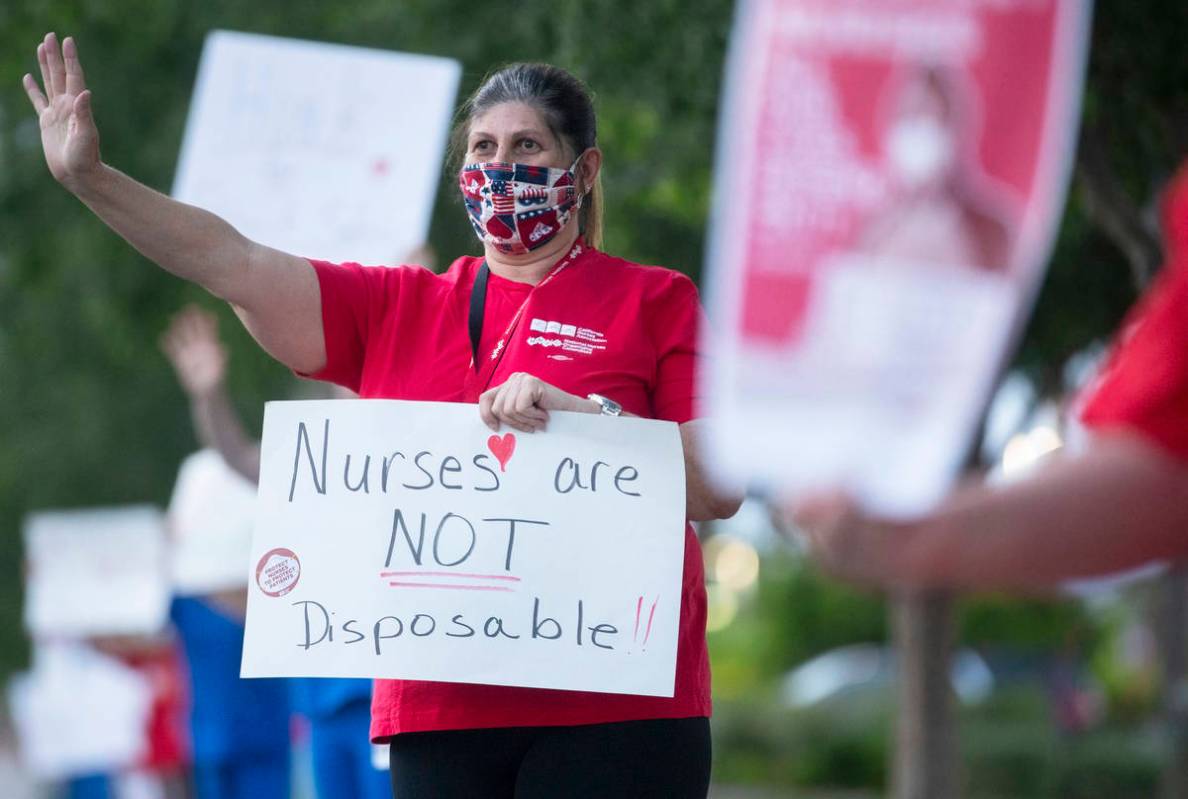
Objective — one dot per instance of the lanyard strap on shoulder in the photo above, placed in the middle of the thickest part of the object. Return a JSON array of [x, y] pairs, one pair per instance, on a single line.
[[478, 309]]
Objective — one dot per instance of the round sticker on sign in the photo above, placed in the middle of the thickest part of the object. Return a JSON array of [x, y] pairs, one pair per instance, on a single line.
[[278, 571]]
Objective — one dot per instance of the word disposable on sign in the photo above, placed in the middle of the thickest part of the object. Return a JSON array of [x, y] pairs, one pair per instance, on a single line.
[[320, 627]]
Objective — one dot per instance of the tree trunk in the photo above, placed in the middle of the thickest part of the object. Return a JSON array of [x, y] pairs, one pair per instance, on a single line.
[[925, 764]]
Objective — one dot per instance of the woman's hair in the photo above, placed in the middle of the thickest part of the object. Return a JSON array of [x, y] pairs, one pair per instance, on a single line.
[[565, 105]]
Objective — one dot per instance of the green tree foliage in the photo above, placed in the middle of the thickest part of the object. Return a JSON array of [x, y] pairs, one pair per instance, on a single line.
[[89, 412]]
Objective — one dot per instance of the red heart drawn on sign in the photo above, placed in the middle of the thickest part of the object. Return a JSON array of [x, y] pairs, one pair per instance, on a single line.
[[502, 448]]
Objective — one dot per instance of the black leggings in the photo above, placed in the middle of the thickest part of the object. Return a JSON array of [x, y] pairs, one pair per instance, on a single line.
[[667, 758]]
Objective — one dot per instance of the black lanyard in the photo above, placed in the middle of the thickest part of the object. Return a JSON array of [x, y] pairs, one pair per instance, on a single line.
[[478, 305], [478, 309]]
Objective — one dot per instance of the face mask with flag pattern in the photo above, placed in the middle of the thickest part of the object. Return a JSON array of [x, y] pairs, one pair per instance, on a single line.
[[517, 207]]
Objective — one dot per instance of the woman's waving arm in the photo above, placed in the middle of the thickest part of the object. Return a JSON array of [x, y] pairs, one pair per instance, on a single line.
[[275, 294]]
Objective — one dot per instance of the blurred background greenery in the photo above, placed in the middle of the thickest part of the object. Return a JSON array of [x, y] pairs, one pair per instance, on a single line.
[[90, 413]]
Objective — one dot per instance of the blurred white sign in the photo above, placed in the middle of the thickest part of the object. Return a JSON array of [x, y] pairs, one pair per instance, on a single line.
[[404, 540], [211, 515], [100, 571], [79, 712], [320, 150]]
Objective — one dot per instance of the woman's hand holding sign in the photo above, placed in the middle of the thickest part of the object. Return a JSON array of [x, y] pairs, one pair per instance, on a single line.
[[523, 402]]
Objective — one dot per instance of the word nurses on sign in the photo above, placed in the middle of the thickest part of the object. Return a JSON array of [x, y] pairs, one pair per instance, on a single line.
[[403, 540]]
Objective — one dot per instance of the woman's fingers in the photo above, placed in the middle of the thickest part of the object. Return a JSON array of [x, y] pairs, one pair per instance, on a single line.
[[486, 413], [82, 110], [515, 404], [504, 407], [57, 69], [526, 404], [518, 403], [35, 95], [43, 65], [75, 81]]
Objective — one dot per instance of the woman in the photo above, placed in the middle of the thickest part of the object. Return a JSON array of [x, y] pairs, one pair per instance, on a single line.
[[543, 322]]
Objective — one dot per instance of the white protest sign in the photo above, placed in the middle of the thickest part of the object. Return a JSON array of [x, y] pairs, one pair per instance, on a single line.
[[403, 540], [79, 712], [101, 571], [288, 143], [211, 514]]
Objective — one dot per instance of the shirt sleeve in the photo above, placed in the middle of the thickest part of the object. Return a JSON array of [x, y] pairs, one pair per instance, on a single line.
[[1144, 386], [675, 320], [354, 298]]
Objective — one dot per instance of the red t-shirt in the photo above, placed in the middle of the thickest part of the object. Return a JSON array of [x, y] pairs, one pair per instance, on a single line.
[[166, 733], [601, 325], [1144, 386]]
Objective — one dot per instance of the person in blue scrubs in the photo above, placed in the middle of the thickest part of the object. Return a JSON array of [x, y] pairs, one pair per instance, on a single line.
[[239, 728], [338, 710], [339, 714]]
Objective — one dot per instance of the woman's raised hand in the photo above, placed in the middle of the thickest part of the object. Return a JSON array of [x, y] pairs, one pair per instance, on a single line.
[[192, 345], [68, 133]]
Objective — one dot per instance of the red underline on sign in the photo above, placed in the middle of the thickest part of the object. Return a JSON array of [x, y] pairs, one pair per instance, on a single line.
[[451, 585], [450, 574]]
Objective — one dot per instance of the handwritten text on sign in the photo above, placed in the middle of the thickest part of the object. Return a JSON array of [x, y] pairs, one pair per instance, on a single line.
[[404, 540]]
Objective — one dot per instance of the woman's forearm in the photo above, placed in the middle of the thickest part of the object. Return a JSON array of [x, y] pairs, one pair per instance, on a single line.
[[189, 242], [703, 502], [274, 293], [1118, 505], [220, 428]]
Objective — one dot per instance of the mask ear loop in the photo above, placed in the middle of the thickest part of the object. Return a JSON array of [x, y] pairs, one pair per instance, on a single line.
[[573, 170]]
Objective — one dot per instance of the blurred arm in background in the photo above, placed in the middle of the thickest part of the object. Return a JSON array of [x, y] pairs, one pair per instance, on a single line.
[[193, 347], [1121, 503]]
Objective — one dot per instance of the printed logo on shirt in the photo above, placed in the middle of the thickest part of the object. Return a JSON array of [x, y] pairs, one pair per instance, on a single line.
[[567, 337]]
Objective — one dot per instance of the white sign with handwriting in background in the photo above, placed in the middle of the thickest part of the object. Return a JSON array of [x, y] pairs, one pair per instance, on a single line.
[[403, 540], [96, 571], [322, 150], [79, 711]]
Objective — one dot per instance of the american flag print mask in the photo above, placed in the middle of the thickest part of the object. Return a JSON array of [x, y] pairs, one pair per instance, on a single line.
[[517, 207]]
